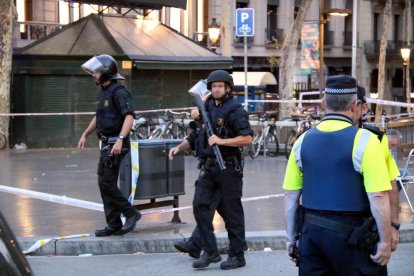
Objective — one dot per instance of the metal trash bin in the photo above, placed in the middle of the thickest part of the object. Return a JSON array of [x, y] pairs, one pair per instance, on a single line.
[[175, 170], [158, 176]]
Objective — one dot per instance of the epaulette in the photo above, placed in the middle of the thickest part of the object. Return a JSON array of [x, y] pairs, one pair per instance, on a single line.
[[376, 130]]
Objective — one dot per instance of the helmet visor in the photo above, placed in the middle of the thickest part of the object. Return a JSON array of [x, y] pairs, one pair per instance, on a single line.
[[200, 88], [93, 65]]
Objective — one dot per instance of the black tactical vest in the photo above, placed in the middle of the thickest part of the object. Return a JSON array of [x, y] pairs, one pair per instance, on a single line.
[[219, 119], [109, 119]]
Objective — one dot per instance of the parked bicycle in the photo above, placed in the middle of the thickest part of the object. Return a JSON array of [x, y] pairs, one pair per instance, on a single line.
[[265, 139], [142, 128], [307, 122], [178, 127], [168, 128]]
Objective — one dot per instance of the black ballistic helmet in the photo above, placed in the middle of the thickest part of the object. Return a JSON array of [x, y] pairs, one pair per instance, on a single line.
[[106, 65], [218, 76]]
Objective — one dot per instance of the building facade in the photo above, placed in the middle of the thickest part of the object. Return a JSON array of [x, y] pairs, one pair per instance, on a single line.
[[272, 20]]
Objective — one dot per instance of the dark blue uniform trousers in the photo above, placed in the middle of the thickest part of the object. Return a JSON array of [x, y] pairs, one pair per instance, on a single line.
[[326, 252], [220, 190]]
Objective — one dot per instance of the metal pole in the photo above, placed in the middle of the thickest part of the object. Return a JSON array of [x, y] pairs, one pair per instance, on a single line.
[[321, 49], [408, 82], [245, 75], [354, 38], [404, 80]]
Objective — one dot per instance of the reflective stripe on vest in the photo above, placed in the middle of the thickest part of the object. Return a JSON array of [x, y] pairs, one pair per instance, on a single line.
[[359, 149]]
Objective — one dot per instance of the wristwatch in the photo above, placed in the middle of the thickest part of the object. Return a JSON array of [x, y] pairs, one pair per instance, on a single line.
[[121, 137], [396, 225]]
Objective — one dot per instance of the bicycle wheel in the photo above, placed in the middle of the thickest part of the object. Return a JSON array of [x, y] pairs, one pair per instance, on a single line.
[[255, 147], [289, 143], [177, 131], [272, 144], [181, 133], [156, 134], [142, 131], [3, 141]]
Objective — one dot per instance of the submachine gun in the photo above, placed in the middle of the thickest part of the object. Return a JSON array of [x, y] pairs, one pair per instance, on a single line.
[[201, 89]]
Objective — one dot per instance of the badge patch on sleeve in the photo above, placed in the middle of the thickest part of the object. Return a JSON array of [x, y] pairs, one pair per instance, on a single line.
[[220, 121], [106, 103]]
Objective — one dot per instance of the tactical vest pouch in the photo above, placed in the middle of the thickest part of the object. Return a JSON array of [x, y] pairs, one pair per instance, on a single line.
[[109, 122], [365, 236]]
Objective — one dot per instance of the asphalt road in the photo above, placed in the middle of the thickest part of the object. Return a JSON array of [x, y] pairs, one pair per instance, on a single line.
[[258, 263], [73, 174]]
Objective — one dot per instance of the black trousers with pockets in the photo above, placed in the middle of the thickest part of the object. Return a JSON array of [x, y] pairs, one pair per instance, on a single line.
[[114, 201], [220, 190]]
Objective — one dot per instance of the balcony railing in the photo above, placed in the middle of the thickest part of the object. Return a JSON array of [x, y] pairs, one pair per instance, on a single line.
[[393, 50], [274, 38], [32, 30], [328, 39], [347, 39]]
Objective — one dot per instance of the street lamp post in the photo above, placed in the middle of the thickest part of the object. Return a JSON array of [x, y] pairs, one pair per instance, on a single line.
[[322, 19], [405, 54], [214, 33], [321, 48]]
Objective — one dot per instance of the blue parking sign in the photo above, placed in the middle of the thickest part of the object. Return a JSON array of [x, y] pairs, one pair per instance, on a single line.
[[245, 22]]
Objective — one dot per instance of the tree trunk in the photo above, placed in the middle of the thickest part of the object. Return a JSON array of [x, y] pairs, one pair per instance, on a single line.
[[8, 17], [381, 63], [288, 58], [225, 32]]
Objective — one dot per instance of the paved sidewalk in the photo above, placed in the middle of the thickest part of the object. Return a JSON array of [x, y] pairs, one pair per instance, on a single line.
[[134, 242], [73, 174], [175, 264]]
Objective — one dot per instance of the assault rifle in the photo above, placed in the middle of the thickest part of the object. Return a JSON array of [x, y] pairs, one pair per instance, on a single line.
[[200, 104]]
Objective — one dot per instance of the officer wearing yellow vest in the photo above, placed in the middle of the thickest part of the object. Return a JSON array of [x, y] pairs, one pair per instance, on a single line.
[[339, 171], [393, 170]]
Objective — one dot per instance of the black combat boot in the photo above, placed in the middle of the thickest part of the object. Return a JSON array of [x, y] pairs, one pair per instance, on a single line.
[[206, 259], [188, 247], [233, 263], [108, 231], [131, 221]]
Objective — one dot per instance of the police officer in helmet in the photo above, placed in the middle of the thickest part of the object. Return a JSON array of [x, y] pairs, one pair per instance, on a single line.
[[112, 123], [215, 188]]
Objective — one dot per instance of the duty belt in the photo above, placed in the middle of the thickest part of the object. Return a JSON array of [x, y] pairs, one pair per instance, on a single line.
[[107, 139], [328, 223], [230, 160]]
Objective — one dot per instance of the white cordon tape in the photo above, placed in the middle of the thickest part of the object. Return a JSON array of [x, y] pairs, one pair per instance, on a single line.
[[99, 207], [40, 243], [88, 113], [53, 198], [369, 100], [392, 103], [91, 206]]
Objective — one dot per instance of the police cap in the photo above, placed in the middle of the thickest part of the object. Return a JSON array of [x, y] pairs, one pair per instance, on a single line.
[[339, 85]]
